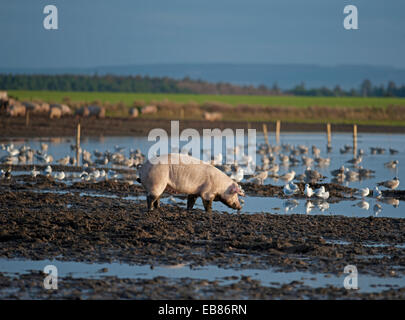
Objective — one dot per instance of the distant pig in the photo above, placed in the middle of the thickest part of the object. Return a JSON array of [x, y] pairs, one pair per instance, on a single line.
[[191, 176]]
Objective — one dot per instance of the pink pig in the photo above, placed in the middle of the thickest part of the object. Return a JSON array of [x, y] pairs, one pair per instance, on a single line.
[[185, 174]]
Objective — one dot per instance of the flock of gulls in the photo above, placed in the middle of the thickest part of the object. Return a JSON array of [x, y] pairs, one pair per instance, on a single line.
[[273, 159]]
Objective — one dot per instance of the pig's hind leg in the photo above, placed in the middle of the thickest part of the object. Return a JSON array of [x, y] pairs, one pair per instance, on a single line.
[[191, 199]]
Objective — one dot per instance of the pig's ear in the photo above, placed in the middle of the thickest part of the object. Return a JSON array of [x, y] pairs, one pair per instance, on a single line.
[[234, 188]]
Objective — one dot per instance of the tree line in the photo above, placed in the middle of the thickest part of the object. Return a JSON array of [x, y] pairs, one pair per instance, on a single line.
[[145, 84]]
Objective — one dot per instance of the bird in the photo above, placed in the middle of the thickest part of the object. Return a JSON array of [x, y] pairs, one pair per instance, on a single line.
[[322, 193], [377, 193], [59, 175], [34, 172], [287, 190], [364, 192], [390, 184], [355, 161], [308, 192], [391, 164], [48, 170], [289, 176], [238, 175], [293, 187], [393, 151]]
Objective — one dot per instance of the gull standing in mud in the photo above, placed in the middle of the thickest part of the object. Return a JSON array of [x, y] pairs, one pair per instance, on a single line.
[[59, 175], [308, 192], [34, 172], [390, 184], [48, 170], [377, 193], [322, 193], [364, 192]]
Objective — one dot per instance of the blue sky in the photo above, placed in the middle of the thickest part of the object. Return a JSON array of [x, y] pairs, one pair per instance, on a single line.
[[122, 32]]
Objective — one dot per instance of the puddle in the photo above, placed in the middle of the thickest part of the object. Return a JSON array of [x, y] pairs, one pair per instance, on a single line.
[[268, 277]]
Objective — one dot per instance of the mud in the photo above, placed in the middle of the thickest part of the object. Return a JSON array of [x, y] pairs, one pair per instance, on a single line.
[[72, 227], [44, 127]]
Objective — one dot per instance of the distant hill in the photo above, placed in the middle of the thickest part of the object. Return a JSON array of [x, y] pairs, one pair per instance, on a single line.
[[286, 76]]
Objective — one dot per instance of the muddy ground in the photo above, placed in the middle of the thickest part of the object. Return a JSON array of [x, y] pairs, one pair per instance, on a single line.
[[37, 226], [40, 126]]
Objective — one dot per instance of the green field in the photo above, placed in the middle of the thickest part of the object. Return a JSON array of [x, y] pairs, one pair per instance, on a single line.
[[129, 98]]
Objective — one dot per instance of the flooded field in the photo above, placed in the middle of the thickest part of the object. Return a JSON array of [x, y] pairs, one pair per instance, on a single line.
[[94, 227]]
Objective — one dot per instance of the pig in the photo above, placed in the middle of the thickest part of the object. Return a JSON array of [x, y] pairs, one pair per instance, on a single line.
[[133, 112], [55, 113], [64, 109], [212, 116], [149, 110], [185, 174], [16, 110]]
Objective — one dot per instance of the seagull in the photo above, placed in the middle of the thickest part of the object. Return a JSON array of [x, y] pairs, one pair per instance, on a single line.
[[293, 187], [48, 170], [390, 184], [322, 193], [238, 175], [289, 176], [308, 191], [364, 192], [377, 193], [287, 190], [274, 169], [34, 172], [59, 175], [391, 164], [172, 201], [355, 161]]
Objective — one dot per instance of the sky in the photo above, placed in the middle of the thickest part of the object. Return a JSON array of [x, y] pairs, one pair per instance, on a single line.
[[95, 33]]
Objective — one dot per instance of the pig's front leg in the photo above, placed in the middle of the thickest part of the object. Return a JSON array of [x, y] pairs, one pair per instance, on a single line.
[[191, 199], [207, 205]]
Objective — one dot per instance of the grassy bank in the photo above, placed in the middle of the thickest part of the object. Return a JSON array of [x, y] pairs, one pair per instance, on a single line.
[[282, 101]]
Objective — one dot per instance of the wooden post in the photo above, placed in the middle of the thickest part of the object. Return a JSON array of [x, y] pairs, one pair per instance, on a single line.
[[278, 125], [182, 113], [78, 145], [27, 118], [329, 133], [265, 134], [355, 140]]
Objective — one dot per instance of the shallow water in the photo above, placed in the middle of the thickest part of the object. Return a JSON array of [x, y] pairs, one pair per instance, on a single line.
[[60, 147], [267, 277]]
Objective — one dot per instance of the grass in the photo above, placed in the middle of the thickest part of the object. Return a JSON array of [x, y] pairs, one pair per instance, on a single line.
[[280, 101]]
